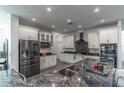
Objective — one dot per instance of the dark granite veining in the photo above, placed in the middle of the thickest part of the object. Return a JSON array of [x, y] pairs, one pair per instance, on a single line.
[[10, 78], [55, 79], [84, 79]]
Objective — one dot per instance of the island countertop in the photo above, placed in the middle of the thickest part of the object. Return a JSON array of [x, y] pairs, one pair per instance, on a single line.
[[10, 78], [85, 79], [58, 80]]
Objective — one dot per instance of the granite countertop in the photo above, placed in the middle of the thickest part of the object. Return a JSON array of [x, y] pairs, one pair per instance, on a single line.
[[84, 79], [56, 79], [10, 78], [87, 79]]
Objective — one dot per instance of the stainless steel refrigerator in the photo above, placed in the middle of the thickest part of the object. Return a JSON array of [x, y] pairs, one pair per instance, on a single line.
[[29, 57]]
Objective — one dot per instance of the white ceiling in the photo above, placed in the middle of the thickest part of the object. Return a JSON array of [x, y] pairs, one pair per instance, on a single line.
[[81, 15]]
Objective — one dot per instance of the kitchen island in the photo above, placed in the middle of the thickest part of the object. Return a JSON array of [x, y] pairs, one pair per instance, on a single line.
[[68, 57], [59, 78], [10, 78], [47, 61]]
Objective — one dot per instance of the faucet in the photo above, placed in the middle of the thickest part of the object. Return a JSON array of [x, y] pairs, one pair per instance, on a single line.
[[80, 55], [23, 77]]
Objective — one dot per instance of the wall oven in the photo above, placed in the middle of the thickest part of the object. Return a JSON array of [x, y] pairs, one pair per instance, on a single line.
[[108, 53]]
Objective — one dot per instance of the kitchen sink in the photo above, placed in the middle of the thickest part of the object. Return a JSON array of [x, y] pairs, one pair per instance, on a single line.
[[69, 71], [66, 72]]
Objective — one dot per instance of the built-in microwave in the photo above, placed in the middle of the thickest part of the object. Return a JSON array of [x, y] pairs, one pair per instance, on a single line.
[[108, 48], [108, 53]]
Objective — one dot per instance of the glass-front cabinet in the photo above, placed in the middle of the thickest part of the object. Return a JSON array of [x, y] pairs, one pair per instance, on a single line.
[[45, 37], [42, 37]]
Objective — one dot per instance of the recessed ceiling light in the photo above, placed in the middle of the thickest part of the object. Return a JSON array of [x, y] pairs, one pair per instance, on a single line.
[[65, 30], [53, 26], [96, 10], [102, 20], [79, 26], [49, 9], [68, 20], [33, 19]]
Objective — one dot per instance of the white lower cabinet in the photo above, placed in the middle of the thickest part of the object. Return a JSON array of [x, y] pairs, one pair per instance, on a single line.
[[69, 58], [47, 61]]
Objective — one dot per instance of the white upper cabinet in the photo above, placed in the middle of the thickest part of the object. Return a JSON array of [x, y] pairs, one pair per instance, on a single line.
[[68, 41], [28, 33], [93, 39], [44, 36], [66, 44], [77, 36], [59, 38], [108, 35], [48, 37]]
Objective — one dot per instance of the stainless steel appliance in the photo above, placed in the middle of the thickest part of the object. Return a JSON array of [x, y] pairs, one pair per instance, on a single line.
[[29, 57], [36, 49], [108, 53]]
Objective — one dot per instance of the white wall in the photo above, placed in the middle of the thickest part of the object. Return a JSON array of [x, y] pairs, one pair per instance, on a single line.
[[14, 42], [2, 38], [9, 24], [119, 62], [122, 48], [5, 25], [121, 44], [57, 43]]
